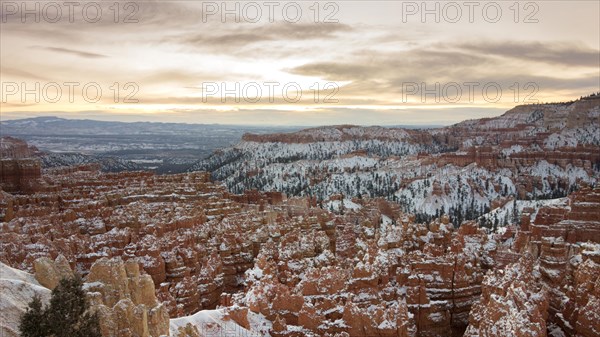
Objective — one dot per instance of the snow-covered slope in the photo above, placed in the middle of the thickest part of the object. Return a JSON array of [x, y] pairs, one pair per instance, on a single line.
[[107, 164], [217, 323], [531, 152], [17, 288]]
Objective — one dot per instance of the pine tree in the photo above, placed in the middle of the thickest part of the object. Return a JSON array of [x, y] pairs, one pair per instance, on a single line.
[[495, 228], [67, 305], [33, 323], [67, 315], [515, 216]]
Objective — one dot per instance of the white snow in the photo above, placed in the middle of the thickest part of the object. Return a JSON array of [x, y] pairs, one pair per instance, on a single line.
[[17, 288], [214, 323]]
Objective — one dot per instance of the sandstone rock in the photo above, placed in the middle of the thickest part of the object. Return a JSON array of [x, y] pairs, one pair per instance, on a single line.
[[188, 331], [513, 303], [310, 271], [49, 273], [20, 175], [125, 300]]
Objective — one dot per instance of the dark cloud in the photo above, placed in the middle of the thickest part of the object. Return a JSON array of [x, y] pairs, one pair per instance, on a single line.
[[373, 74], [565, 53], [338, 71], [225, 40], [241, 35], [71, 52], [412, 65]]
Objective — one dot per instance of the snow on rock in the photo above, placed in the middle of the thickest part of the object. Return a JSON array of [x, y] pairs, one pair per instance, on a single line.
[[465, 170], [219, 323], [17, 288], [512, 304]]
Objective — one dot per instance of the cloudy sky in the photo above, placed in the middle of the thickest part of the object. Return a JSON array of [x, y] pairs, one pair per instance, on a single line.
[[294, 63]]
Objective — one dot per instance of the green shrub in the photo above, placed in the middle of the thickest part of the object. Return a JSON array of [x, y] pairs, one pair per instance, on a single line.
[[67, 315]]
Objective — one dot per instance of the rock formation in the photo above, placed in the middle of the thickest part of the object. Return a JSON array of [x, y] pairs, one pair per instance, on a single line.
[[125, 299], [15, 148], [166, 223], [19, 171], [531, 152], [513, 303], [489, 227], [560, 249], [49, 273]]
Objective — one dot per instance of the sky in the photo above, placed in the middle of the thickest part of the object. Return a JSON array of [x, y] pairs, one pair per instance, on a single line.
[[294, 63]]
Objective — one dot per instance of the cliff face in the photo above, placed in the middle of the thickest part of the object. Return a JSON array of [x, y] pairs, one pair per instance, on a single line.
[[20, 175], [19, 171], [15, 148], [568, 265], [578, 221], [335, 133], [557, 279]]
